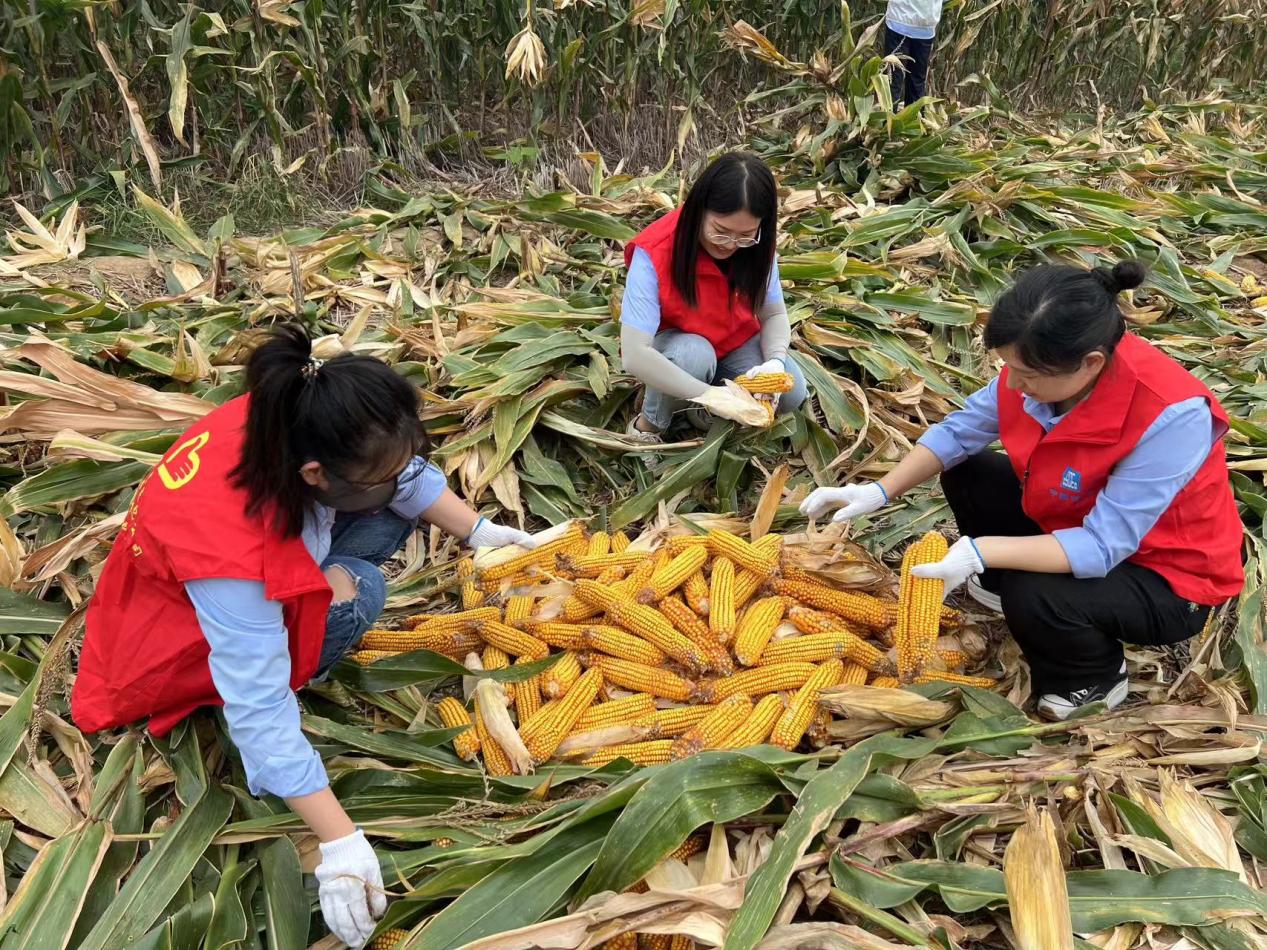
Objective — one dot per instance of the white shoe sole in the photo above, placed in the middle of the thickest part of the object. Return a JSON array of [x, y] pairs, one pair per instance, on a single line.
[[1058, 709], [985, 598]]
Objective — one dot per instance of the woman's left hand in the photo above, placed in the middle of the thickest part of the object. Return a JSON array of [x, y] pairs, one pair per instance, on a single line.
[[962, 561], [775, 365], [489, 534]]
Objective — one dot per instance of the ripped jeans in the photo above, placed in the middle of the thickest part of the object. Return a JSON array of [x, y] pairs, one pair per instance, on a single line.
[[359, 543]]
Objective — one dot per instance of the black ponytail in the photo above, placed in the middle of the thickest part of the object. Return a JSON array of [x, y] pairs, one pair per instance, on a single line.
[[737, 181], [353, 414], [1055, 315]]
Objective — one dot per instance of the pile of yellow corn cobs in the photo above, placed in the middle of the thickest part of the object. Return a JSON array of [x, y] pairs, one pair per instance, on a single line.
[[707, 642]]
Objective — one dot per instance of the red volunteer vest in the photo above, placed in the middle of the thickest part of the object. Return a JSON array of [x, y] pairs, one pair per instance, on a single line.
[[724, 319], [144, 654], [1196, 543]]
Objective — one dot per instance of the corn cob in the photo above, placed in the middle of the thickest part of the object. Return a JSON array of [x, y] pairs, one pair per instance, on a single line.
[[524, 579], [747, 583], [885, 682], [472, 596], [560, 677], [721, 599], [808, 620], [518, 611], [804, 707], [639, 678], [757, 627], [673, 575], [388, 939], [587, 566], [564, 636], [952, 659], [919, 607], [515, 642], [767, 383], [617, 712], [623, 645], [619, 542], [494, 658], [744, 555], [855, 675], [673, 722], [958, 679], [696, 591], [716, 657], [527, 695], [832, 644], [653, 627], [538, 555], [655, 752], [552, 728], [443, 623], [448, 642], [600, 543], [597, 595], [496, 762], [819, 731], [655, 942], [861, 609], [756, 728], [950, 617], [756, 682], [679, 543], [626, 941], [688, 848], [454, 714], [720, 722], [366, 657], [575, 609], [681, 942]]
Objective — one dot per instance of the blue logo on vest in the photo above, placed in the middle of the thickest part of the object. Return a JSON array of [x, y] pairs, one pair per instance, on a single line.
[[1071, 480]]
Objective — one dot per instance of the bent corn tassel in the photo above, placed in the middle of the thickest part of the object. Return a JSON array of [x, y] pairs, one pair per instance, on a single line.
[[696, 592], [640, 678], [744, 555], [919, 607], [654, 752], [622, 645], [673, 575], [720, 722], [721, 599], [756, 729], [553, 726], [472, 596], [757, 627], [804, 707], [515, 642], [830, 645], [653, 627], [757, 681], [673, 722], [617, 712], [454, 714], [559, 678], [860, 609]]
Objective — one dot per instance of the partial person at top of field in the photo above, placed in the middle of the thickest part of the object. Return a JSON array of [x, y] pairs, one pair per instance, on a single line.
[[703, 303], [910, 28], [249, 563], [1108, 518]]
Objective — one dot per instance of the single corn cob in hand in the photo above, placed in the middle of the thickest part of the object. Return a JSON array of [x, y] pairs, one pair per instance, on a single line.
[[720, 722], [767, 383], [472, 596], [757, 627], [861, 609], [756, 682], [672, 722], [793, 723], [696, 592], [655, 752], [559, 678], [514, 642], [617, 712], [747, 556], [454, 714], [721, 599], [640, 678], [542, 554], [552, 727], [830, 645], [756, 729], [653, 627], [919, 607], [673, 575], [623, 645]]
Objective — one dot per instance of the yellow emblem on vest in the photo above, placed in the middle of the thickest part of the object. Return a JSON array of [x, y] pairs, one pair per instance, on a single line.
[[180, 467]]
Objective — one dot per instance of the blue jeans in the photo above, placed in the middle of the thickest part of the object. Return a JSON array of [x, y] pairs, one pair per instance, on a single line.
[[907, 85], [693, 353], [359, 543]]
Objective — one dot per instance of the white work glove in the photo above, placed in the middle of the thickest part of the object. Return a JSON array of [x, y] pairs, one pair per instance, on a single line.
[[489, 534], [775, 365], [962, 561], [852, 500], [351, 888]]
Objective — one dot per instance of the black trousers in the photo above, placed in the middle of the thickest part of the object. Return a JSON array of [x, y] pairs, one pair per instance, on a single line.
[[1070, 629], [907, 85]]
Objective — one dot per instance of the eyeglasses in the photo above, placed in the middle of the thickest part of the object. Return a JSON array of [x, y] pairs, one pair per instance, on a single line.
[[728, 240]]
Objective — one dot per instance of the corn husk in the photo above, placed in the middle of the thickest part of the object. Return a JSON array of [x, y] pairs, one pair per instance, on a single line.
[[1037, 897]]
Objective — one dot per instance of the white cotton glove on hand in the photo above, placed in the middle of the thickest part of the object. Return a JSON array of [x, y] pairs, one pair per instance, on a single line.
[[488, 534], [853, 501], [775, 365], [962, 561], [351, 888]]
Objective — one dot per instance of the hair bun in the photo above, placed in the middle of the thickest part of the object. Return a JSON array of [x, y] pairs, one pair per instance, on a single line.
[[1125, 275]]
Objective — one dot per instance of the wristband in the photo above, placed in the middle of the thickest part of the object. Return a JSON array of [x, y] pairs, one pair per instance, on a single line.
[[476, 528], [973, 542], [882, 491]]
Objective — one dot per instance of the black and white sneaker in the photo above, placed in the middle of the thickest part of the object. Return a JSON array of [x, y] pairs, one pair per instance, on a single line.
[[1059, 707]]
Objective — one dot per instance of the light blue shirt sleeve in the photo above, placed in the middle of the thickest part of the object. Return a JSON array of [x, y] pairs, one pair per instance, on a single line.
[[250, 666], [419, 487], [773, 302], [640, 306], [1141, 488], [966, 431]]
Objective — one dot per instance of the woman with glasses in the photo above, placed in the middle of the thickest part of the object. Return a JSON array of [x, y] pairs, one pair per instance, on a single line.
[[702, 302], [248, 564]]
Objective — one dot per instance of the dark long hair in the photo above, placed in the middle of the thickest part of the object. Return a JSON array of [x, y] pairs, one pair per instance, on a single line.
[[353, 414], [737, 181], [1055, 314]]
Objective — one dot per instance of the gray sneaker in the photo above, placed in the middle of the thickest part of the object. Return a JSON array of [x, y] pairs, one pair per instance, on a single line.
[[638, 435], [1059, 707]]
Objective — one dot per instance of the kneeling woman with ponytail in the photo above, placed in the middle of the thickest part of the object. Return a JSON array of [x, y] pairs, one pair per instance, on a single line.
[[249, 563], [1108, 518]]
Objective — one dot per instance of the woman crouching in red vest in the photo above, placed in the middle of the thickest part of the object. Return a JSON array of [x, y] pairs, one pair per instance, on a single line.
[[249, 563], [1109, 518], [703, 302]]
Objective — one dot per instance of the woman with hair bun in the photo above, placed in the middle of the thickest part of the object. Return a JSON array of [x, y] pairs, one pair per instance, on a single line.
[[248, 564], [1108, 518]]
